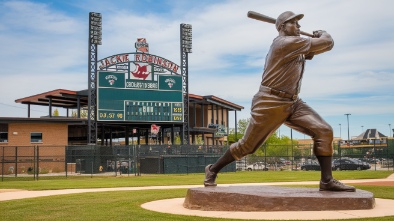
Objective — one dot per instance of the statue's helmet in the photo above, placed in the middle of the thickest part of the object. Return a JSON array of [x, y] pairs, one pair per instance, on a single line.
[[286, 16]]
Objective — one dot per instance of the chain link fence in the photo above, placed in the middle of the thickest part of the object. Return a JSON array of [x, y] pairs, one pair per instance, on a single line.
[[375, 155], [37, 162], [34, 162], [30, 162]]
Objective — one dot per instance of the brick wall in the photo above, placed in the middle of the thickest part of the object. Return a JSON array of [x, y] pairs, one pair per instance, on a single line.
[[52, 134]]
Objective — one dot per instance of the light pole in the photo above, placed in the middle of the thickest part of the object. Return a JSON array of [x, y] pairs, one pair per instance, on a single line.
[[374, 150], [389, 130], [340, 132], [348, 132]]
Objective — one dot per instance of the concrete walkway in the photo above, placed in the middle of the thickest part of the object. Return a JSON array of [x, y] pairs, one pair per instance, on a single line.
[[383, 207]]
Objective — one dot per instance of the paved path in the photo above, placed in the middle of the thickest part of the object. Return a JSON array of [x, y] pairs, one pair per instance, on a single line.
[[383, 207], [13, 194]]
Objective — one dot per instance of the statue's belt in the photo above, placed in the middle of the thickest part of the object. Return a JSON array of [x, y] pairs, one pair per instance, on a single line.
[[279, 93]]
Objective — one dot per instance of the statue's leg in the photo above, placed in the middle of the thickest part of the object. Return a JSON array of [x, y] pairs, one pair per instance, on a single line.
[[325, 167], [212, 170], [305, 120], [267, 114], [223, 161]]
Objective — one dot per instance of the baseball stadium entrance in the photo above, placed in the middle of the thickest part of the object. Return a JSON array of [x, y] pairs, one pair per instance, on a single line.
[[144, 121]]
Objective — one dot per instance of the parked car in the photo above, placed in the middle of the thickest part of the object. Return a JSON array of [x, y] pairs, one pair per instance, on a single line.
[[387, 163], [313, 165], [257, 166], [373, 161], [350, 164], [284, 162]]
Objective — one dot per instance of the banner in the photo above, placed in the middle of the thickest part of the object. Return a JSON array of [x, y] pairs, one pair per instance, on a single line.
[[154, 129]]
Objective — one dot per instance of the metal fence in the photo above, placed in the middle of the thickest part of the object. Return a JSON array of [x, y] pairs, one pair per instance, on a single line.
[[378, 155], [31, 161], [137, 159], [34, 162]]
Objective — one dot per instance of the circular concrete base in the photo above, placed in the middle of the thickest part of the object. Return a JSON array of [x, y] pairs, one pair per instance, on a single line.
[[382, 208], [274, 198]]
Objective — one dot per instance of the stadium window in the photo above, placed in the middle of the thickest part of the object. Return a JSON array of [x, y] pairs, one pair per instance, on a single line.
[[3, 137], [36, 137], [3, 133]]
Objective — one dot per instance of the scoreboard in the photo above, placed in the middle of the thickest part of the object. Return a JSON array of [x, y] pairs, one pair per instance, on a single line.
[[158, 99], [154, 111]]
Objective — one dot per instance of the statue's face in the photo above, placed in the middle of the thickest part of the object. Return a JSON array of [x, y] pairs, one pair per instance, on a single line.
[[292, 28]]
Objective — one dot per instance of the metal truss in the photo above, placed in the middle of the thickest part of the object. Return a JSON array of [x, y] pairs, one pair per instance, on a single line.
[[186, 47], [185, 88], [92, 98]]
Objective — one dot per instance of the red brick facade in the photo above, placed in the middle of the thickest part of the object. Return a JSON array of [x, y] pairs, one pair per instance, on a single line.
[[19, 134], [19, 150]]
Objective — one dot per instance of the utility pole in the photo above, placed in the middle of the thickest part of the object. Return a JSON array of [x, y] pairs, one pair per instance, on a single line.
[[340, 132], [348, 132]]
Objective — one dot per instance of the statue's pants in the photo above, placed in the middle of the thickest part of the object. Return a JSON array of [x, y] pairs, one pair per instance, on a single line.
[[269, 112]]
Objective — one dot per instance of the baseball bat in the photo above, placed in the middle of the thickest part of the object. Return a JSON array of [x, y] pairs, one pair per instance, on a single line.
[[268, 19]]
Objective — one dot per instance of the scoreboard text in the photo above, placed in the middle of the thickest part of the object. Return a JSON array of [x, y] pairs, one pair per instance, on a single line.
[[153, 100]]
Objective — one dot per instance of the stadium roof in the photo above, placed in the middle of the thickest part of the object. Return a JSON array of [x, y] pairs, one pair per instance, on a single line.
[[370, 134], [78, 99], [57, 98]]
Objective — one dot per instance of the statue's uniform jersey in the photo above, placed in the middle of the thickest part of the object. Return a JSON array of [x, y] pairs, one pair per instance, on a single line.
[[277, 103], [284, 64]]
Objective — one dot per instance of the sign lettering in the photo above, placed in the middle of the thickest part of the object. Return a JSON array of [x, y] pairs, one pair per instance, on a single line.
[[139, 57]]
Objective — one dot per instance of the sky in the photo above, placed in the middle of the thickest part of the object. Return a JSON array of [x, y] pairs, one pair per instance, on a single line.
[[44, 46]]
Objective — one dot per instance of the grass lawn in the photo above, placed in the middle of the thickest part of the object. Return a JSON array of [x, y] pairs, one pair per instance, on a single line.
[[125, 205], [78, 182]]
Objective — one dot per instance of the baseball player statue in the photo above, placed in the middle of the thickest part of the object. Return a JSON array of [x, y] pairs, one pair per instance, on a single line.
[[277, 102]]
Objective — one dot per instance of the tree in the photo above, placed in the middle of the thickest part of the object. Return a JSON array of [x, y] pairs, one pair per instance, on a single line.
[[83, 113], [199, 141], [273, 146], [55, 113], [177, 140], [242, 125]]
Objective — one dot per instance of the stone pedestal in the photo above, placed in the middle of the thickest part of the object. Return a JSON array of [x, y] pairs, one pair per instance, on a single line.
[[273, 198]]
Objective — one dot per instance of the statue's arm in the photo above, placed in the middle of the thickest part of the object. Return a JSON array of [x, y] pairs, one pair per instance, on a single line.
[[321, 42]]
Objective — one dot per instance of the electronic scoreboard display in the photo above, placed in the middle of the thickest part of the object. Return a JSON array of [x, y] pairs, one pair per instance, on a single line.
[[158, 98]]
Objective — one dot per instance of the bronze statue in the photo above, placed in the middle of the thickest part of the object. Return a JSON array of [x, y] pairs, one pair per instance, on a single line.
[[277, 101]]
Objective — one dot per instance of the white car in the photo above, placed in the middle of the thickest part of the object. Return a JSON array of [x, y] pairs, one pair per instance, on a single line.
[[257, 166]]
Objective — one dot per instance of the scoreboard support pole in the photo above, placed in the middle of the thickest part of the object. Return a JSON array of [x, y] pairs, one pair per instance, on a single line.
[[186, 48], [95, 28]]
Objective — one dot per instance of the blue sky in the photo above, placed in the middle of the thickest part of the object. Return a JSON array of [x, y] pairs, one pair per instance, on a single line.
[[44, 47]]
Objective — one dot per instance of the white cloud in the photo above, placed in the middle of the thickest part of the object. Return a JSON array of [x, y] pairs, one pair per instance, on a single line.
[[44, 47], [36, 17]]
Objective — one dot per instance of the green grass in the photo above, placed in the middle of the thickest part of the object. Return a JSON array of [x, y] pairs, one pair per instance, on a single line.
[[125, 205], [78, 182], [121, 205]]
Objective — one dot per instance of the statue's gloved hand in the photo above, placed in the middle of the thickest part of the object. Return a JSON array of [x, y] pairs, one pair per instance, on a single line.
[[318, 33], [309, 56]]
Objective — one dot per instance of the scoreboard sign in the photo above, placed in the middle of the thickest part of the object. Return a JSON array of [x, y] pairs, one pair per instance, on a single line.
[[123, 98], [139, 87]]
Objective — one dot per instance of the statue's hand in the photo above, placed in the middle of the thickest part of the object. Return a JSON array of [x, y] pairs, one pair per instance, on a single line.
[[309, 56], [318, 33]]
